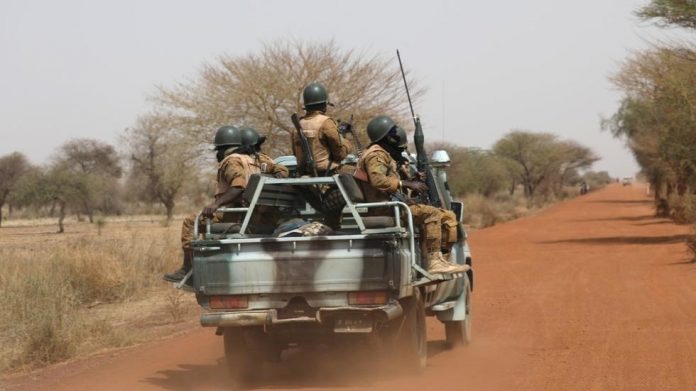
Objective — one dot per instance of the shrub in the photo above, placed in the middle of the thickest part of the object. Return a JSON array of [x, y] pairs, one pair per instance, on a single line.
[[682, 208]]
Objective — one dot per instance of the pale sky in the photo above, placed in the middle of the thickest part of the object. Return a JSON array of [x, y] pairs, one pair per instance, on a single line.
[[73, 69]]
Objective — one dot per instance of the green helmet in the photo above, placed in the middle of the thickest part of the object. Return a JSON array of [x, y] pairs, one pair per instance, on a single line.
[[249, 136], [227, 136], [315, 94], [378, 127], [403, 138]]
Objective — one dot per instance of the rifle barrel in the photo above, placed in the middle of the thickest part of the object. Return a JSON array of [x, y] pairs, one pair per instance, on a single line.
[[408, 94]]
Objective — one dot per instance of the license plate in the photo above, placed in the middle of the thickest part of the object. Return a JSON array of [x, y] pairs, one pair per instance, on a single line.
[[353, 325]]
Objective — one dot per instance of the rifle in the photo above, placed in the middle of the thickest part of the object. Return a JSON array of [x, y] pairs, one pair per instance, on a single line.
[[310, 165], [422, 163]]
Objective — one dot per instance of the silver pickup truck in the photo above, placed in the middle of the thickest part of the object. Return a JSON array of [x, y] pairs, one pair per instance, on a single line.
[[265, 293]]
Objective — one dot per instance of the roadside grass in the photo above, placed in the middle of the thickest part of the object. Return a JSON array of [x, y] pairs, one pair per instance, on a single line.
[[53, 287], [481, 212]]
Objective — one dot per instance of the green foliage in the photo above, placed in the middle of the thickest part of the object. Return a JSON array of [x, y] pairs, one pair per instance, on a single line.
[[596, 180], [657, 117], [542, 161], [12, 168], [680, 13], [474, 171]]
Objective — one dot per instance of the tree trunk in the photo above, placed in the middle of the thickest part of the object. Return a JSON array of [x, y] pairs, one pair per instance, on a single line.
[[53, 209], [61, 216], [169, 204], [0, 215]]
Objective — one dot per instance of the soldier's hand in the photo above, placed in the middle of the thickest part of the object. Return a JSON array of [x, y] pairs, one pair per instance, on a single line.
[[279, 175], [345, 127], [209, 210], [415, 186]]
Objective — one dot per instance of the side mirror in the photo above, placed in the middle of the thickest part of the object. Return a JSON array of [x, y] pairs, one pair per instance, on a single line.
[[458, 209]]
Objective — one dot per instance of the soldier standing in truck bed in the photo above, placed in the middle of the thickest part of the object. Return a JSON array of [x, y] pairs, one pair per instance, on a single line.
[[378, 170], [238, 156], [328, 146]]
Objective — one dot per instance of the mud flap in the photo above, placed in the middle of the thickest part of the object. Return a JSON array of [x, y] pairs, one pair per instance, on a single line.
[[457, 312]]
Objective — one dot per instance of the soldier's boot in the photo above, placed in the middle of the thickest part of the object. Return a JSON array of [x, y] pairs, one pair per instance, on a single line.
[[186, 266], [437, 264]]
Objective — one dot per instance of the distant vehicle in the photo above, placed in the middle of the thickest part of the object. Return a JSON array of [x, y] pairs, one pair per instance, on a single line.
[[626, 181]]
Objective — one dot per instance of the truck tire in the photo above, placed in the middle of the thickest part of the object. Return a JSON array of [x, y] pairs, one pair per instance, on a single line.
[[244, 364], [458, 332], [412, 341]]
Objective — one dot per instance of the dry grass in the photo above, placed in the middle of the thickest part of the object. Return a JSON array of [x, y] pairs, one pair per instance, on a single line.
[[71, 294], [481, 212]]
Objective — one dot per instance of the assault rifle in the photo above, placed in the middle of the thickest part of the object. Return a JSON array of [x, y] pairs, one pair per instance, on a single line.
[[432, 197], [310, 165]]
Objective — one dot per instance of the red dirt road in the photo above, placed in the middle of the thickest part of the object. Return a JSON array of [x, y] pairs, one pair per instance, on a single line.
[[591, 294]]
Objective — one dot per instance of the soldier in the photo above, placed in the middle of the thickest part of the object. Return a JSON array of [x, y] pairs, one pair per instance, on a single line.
[[378, 163], [326, 142], [408, 172], [238, 158]]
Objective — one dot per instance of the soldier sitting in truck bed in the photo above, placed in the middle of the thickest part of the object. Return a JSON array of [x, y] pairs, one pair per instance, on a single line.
[[407, 172], [238, 156], [377, 170]]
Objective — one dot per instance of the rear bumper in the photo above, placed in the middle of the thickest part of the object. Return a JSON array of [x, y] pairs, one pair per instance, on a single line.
[[270, 317]]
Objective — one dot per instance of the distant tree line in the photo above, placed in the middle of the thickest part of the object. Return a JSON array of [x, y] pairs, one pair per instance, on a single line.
[[657, 115], [165, 157]]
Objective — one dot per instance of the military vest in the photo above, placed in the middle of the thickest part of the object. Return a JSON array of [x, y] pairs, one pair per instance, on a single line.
[[361, 173], [310, 128], [249, 167]]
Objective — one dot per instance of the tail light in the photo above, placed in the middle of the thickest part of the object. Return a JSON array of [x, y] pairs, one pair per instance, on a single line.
[[367, 298], [237, 302]]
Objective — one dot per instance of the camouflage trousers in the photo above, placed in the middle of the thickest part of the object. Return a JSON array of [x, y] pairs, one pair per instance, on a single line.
[[438, 226]]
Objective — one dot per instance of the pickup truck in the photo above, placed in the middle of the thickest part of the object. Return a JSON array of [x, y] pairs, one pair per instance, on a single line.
[[265, 293]]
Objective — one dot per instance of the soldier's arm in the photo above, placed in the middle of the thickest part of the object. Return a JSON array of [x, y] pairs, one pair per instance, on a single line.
[[232, 172], [277, 170], [377, 166], [339, 146]]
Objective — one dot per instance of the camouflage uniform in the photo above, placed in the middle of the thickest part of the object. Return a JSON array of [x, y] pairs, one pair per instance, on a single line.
[[233, 171], [449, 219], [384, 180], [328, 146]]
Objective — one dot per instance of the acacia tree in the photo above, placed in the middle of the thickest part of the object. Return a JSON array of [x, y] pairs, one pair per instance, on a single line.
[[263, 89], [540, 158], [96, 167], [50, 185], [162, 157], [474, 170], [12, 167]]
